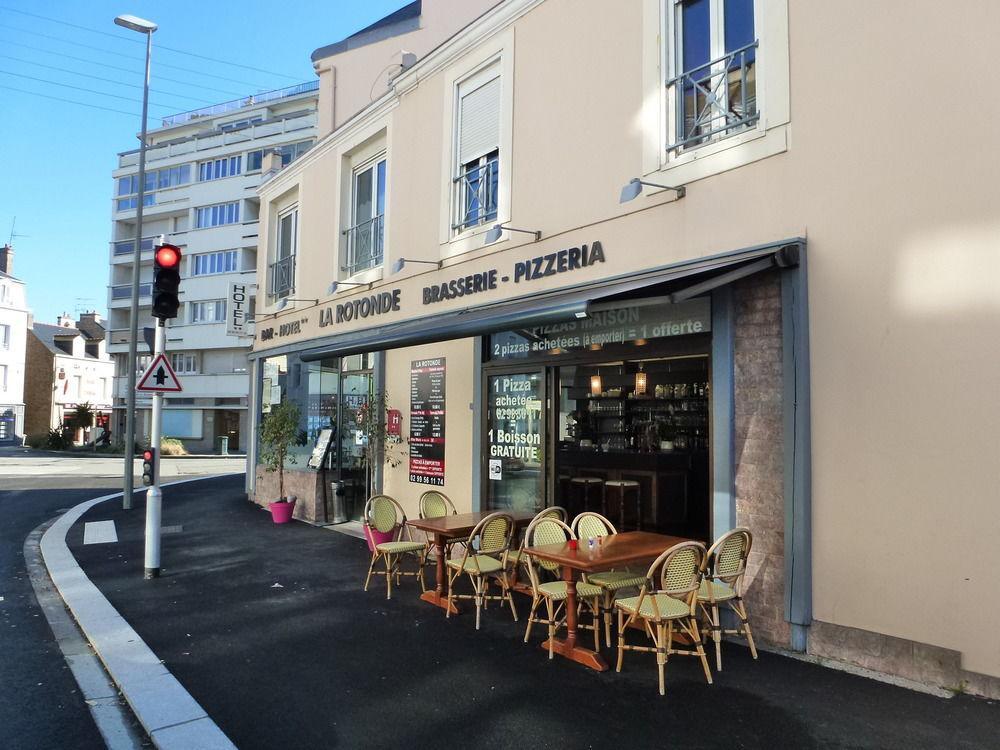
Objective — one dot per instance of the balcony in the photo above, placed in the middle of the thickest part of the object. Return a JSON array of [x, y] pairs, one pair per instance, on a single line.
[[476, 195], [282, 275], [237, 104], [714, 99], [364, 245], [127, 247], [124, 291]]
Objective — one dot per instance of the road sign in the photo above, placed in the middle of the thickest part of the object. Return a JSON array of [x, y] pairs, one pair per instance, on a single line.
[[159, 377]]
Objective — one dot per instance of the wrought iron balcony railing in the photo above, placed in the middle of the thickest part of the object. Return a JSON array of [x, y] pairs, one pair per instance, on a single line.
[[719, 97], [476, 195], [283, 277], [364, 245]]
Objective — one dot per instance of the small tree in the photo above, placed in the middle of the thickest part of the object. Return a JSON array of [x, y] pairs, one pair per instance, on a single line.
[[379, 444], [278, 432], [83, 416]]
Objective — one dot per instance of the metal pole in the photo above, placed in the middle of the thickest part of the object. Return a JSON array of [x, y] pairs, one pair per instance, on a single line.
[[134, 308], [154, 496]]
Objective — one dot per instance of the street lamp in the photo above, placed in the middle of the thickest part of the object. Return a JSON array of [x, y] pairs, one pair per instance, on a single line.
[[142, 26]]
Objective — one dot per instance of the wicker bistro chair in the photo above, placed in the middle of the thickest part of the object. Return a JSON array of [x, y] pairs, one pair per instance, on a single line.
[[552, 530], [517, 557], [436, 504], [593, 525], [678, 573], [384, 514], [723, 584], [483, 563]]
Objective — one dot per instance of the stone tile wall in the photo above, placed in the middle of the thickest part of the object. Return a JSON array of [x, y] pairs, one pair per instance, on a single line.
[[305, 485]]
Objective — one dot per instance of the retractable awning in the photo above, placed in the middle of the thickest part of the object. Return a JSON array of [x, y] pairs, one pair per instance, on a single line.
[[553, 306]]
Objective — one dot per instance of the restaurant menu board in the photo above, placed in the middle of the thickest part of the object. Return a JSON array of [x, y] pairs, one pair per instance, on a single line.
[[427, 421], [321, 448]]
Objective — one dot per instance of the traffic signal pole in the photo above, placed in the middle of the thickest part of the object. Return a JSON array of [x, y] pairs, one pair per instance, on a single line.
[[154, 495]]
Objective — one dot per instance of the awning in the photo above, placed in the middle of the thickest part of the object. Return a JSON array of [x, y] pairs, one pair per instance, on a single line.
[[544, 308]]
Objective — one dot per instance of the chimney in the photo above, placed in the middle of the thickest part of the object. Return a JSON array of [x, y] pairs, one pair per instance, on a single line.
[[65, 321], [270, 163], [93, 317], [7, 260]]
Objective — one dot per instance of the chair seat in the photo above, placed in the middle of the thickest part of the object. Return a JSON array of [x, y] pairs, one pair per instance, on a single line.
[[670, 608], [720, 591], [486, 564], [557, 590], [514, 557], [613, 580], [398, 547]]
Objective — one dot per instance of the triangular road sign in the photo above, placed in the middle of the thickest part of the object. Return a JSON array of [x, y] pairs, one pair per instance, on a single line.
[[159, 377]]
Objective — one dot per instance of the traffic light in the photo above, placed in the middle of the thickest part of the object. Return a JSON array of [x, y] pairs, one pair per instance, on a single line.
[[149, 467], [166, 281]]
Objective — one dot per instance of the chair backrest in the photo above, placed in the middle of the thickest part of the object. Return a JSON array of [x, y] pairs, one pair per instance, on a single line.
[[545, 530], [590, 525], [384, 514], [727, 559], [553, 511], [435, 504], [494, 533], [678, 571]]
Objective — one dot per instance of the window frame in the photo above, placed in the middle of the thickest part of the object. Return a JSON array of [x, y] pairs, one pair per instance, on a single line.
[[216, 210], [186, 359], [218, 317], [482, 76], [209, 258], [379, 184], [291, 213], [5, 336]]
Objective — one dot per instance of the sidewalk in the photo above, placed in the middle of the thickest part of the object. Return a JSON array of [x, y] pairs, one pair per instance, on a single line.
[[269, 631]]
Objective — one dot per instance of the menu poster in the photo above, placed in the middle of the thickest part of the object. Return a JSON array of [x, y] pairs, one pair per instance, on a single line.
[[427, 421], [321, 448]]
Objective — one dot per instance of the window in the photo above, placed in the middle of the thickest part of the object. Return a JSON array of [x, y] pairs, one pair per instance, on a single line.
[[4, 336], [3, 377], [128, 186], [364, 238], [283, 268], [478, 149], [211, 311], [237, 124], [4, 293], [216, 169], [713, 88], [223, 261], [184, 363], [217, 215], [293, 151], [254, 160]]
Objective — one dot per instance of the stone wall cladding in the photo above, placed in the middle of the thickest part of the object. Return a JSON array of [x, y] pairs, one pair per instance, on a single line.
[[38, 383], [305, 485], [758, 458]]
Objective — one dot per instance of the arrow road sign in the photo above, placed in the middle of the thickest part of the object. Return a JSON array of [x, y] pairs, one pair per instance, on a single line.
[[159, 377]]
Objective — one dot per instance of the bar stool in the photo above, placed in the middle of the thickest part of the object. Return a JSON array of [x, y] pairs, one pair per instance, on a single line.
[[583, 486], [623, 486]]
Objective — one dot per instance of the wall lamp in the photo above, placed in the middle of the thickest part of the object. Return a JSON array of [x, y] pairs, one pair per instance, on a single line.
[[401, 263], [496, 231], [283, 303], [334, 286], [634, 187]]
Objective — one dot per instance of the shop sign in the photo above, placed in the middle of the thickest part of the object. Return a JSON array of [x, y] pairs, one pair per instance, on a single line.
[[394, 422], [360, 308], [238, 308], [514, 431], [617, 326], [427, 415], [291, 328]]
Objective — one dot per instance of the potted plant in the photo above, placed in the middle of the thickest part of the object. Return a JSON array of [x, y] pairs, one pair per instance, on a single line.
[[380, 445], [279, 431], [81, 420]]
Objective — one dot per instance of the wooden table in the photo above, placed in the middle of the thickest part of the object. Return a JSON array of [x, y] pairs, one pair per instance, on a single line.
[[446, 528], [616, 551]]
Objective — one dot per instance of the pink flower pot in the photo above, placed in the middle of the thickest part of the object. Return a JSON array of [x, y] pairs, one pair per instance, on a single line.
[[373, 536], [282, 512]]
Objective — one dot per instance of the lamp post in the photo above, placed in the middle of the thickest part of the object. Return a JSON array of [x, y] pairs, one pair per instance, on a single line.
[[143, 27]]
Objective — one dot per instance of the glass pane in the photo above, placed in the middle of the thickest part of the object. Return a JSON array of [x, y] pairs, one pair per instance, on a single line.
[[362, 196], [355, 390], [514, 440], [739, 24], [380, 192], [285, 236], [696, 40]]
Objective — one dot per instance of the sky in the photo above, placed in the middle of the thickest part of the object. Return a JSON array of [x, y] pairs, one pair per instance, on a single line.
[[56, 158]]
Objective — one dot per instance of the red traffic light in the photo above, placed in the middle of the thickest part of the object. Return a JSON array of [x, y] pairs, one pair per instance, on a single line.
[[168, 256], [147, 455]]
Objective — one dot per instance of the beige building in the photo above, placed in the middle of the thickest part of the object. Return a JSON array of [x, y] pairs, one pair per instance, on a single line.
[[799, 340], [68, 365], [15, 318]]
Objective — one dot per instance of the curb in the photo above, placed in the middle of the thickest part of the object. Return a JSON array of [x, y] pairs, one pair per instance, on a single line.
[[168, 713]]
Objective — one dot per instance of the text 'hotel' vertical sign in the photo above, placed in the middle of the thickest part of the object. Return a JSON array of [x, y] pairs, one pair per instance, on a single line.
[[427, 421], [238, 308]]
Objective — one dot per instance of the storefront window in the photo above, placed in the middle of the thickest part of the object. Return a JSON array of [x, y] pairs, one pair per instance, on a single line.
[[514, 440]]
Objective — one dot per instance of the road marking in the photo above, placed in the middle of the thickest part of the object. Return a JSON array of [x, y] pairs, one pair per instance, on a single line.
[[171, 529], [99, 532]]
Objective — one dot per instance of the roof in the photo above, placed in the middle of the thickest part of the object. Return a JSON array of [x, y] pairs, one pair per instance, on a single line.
[[48, 335], [90, 329], [5, 275], [398, 22]]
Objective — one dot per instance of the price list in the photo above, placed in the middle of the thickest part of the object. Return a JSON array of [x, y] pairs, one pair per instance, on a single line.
[[427, 408]]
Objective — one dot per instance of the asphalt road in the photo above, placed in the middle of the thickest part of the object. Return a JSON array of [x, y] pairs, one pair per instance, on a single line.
[[42, 706]]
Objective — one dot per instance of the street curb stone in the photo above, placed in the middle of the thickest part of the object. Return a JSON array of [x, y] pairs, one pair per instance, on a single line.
[[170, 715]]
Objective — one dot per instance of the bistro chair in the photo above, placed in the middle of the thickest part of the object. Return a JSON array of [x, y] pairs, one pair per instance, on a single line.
[[485, 562], [591, 526], [669, 597], [551, 530], [384, 516], [723, 584], [516, 557], [436, 504]]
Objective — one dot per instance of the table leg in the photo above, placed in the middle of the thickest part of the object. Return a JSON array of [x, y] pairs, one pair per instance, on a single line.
[[568, 647], [439, 596]]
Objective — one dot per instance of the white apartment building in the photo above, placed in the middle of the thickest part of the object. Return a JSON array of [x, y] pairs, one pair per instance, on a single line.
[[202, 172], [14, 320]]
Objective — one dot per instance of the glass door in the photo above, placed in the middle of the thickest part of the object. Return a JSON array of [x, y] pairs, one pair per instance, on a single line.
[[356, 384], [514, 441]]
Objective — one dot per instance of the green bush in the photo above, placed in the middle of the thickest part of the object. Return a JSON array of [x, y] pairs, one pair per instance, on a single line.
[[172, 447], [37, 440], [59, 440]]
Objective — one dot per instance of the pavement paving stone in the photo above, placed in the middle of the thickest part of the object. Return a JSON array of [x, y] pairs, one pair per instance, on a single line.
[[201, 733], [161, 702]]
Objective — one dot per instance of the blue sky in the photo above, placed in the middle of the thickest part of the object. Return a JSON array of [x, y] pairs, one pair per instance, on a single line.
[[57, 157]]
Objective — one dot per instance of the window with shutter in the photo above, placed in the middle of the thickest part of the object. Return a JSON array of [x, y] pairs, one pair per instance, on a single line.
[[477, 149]]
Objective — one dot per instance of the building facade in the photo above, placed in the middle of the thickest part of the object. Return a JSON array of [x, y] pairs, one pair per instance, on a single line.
[[68, 366], [601, 254], [202, 170], [14, 321]]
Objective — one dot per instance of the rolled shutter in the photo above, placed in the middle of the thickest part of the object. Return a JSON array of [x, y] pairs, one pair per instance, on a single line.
[[479, 121]]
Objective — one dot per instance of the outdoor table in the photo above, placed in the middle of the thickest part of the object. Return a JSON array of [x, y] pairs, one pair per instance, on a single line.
[[616, 551], [445, 528]]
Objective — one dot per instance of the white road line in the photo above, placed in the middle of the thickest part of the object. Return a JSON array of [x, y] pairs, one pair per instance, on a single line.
[[99, 532]]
